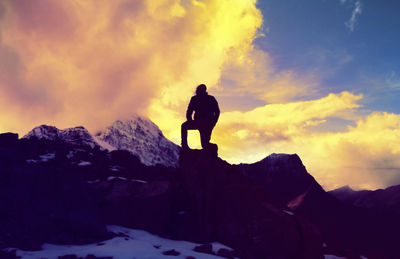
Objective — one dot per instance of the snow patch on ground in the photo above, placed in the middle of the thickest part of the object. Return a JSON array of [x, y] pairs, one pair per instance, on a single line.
[[115, 168], [333, 257], [84, 163], [138, 181], [117, 177], [94, 181], [288, 212], [43, 158], [133, 244], [47, 157], [31, 161]]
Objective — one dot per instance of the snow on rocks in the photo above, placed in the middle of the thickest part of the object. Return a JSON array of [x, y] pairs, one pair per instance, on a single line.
[[110, 178], [288, 212], [94, 181], [138, 181], [70, 154], [43, 158], [47, 157], [84, 163], [115, 168], [339, 257], [334, 257], [31, 161]]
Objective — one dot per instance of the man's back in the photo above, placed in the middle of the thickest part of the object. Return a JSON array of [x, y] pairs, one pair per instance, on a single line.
[[205, 107]]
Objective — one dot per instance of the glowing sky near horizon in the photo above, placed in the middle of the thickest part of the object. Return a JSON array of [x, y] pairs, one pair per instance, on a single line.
[[318, 78]]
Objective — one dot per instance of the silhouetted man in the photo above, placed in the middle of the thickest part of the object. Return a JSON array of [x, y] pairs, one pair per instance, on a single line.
[[206, 114]]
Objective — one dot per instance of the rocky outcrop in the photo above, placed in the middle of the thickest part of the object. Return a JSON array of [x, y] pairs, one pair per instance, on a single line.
[[222, 204]]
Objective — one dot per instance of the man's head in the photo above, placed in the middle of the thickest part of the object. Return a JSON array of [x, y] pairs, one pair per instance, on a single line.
[[201, 89]]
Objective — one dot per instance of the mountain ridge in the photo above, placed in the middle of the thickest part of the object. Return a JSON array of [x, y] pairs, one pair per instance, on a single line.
[[138, 135]]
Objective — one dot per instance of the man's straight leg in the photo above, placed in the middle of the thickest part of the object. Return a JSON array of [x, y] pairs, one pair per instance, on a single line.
[[205, 134]]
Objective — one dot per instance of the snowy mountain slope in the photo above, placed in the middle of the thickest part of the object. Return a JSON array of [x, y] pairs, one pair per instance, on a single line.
[[141, 137], [138, 135]]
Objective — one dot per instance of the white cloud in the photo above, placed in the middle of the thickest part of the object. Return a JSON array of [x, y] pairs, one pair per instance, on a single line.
[[350, 24]]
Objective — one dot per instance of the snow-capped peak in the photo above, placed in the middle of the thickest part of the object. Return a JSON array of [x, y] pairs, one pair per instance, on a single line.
[[143, 138], [74, 136]]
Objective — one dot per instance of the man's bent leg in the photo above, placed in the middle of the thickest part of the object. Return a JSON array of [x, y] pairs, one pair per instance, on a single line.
[[184, 135]]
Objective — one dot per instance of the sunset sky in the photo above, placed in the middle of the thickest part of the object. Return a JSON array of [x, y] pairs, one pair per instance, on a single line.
[[320, 78]]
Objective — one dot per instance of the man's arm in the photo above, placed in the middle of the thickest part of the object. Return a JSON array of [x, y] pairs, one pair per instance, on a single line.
[[190, 110]]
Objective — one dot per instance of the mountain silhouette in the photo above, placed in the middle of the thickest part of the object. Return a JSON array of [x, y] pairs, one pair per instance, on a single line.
[[382, 199]]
